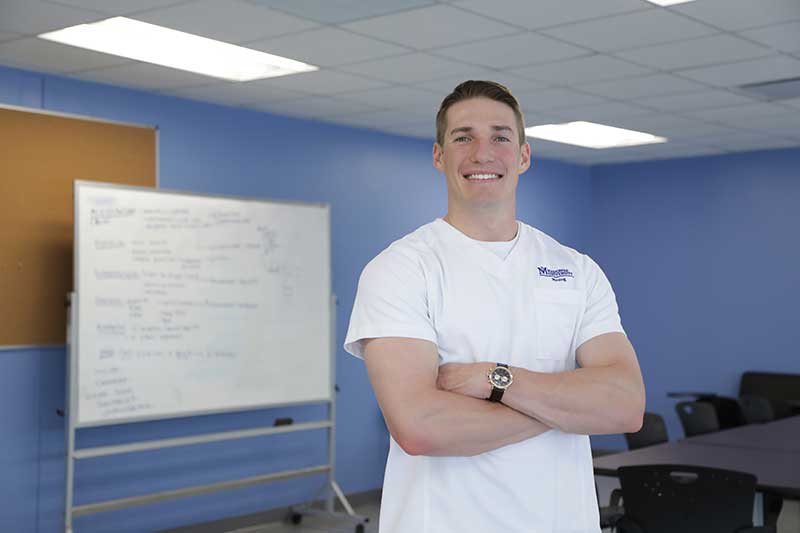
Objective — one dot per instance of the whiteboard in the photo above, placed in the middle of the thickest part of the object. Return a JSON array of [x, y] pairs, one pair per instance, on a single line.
[[190, 304]]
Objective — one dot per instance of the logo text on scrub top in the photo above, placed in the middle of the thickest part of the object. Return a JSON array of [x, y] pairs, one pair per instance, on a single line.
[[560, 274]]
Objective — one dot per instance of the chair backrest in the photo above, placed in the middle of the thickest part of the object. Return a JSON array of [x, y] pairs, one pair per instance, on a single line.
[[756, 409], [687, 499], [697, 418], [653, 431], [772, 385], [729, 412]]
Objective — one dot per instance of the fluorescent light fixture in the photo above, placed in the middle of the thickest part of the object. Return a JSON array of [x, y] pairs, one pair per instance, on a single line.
[[175, 49], [591, 135], [665, 3]]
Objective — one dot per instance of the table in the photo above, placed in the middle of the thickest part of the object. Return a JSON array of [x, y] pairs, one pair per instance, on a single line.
[[780, 435], [770, 451]]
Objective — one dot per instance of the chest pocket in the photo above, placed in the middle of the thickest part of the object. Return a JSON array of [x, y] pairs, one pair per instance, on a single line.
[[557, 312]]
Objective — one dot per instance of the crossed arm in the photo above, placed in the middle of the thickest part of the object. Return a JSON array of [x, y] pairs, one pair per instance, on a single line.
[[433, 410]]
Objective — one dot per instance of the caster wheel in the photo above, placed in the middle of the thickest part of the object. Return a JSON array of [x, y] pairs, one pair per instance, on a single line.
[[296, 518], [360, 528]]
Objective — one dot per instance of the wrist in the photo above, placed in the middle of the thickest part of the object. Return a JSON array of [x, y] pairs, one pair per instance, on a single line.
[[499, 380]]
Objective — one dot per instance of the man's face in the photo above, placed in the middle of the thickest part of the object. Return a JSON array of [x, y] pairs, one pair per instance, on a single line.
[[481, 157]]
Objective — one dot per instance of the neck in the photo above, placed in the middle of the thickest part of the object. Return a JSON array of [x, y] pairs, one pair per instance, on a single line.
[[484, 224]]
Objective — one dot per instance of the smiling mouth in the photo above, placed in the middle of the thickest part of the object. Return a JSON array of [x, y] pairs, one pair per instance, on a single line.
[[482, 177]]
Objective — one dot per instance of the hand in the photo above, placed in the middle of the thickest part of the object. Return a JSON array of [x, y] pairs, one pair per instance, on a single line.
[[469, 379]]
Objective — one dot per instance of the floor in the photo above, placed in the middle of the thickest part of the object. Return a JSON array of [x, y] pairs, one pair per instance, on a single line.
[[789, 521], [317, 524]]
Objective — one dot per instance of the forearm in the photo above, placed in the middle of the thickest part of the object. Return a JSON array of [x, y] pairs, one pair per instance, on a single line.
[[590, 401], [451, 424]]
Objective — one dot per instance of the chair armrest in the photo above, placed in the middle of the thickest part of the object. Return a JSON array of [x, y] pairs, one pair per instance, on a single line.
[[616, 497], [695, 395]]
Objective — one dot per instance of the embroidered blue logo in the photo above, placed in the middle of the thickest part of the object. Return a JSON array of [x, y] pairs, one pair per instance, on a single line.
[[560, 274]]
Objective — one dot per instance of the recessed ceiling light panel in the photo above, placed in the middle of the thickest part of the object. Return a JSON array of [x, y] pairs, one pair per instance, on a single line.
[[141, 41], [665, 3], [591, 135]]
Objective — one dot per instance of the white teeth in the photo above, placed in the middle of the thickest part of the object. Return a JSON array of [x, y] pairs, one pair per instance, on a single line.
[[483, 176]]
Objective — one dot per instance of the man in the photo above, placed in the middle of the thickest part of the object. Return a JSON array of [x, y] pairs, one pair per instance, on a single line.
[[477, 306]]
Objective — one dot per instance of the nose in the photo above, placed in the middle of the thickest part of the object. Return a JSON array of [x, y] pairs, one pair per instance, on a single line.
[[483, 151]]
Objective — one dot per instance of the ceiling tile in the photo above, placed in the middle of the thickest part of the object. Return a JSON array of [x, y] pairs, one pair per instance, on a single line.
[[514, 83], [670, 126], [117, 7], [39, 54], [233, 21], [600, 113], [538, 101], [8, 36], [744, 72], [695, 52], [419, 131], [313, 107], [323, 82], [237, 93], [144, 76], [398, 96], [423, 28], [32, 17], [784, 37], [573, 71], [409, 68], [535, 14], [669, 150], [631, 30], [786, 124], [327, 47], [511, 51], [390, 119], [694, 101], [752, 141], [740, 14], [328, 12], [737, 115], [794, 102], [655, 85]]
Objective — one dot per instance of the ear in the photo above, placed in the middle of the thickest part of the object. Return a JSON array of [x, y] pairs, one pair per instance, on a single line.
[[438, 154], [525, 157]]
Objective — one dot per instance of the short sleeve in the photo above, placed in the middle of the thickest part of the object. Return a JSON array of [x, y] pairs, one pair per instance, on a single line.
[[391, 301], [602, 313]]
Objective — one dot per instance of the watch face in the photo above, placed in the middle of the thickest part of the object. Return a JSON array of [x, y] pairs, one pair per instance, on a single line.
[[500, 377]]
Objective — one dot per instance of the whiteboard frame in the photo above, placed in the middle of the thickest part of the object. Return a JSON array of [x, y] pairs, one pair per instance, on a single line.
[[74, 363]]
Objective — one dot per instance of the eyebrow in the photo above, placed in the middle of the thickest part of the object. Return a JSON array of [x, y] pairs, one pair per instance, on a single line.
[[468, 129]]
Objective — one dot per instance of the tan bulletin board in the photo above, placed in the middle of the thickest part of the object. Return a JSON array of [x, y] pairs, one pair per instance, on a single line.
[[41, 155]]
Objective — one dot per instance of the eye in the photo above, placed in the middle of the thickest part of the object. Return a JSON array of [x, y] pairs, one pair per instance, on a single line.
[[502, 139], [461, 139]]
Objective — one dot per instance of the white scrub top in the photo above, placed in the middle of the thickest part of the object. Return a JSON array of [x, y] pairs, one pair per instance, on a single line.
[[531, 310]]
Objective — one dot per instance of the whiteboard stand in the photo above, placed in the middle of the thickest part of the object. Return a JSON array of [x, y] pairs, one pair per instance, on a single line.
[[329, 492]]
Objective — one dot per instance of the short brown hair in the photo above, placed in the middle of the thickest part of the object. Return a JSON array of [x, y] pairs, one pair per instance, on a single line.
[[479, 89]]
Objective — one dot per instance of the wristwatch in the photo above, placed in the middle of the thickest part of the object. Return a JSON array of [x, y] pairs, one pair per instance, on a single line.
[[500, 378]]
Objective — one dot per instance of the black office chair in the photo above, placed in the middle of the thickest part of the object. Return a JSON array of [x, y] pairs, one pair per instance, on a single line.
[[697, 418], [687, 499], [653, 431], [756, 409], [729, 414]]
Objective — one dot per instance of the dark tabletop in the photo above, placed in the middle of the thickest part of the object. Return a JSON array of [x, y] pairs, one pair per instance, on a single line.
[[770, 451], [780, 435]]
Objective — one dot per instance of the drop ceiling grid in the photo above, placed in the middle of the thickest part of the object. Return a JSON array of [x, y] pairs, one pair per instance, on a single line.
[[564, 73]]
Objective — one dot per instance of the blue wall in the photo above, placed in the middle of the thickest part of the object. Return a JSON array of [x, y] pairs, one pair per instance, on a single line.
[[379, 187], [704, 257]]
